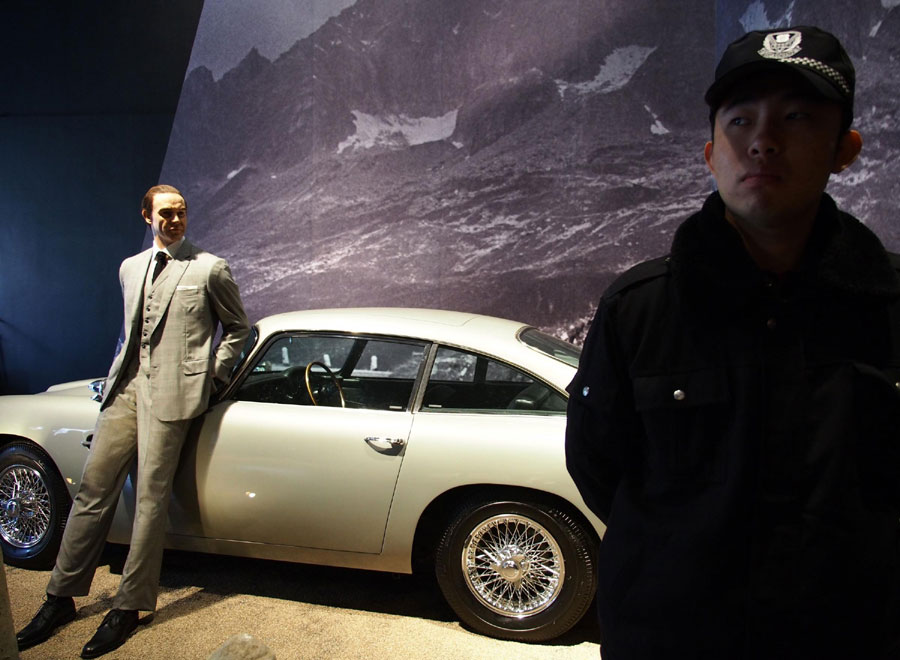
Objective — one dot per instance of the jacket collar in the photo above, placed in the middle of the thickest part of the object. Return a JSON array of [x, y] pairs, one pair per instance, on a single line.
[[184, 251], [842, 257], [172, 273]]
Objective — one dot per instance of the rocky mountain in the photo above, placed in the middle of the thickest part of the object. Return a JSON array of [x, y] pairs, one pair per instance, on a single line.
[[499, 156]]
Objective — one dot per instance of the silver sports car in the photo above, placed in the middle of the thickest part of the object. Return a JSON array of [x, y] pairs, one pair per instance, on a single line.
[[384, 439]]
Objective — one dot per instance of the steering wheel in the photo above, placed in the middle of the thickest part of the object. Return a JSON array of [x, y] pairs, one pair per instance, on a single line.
[[323, 389]]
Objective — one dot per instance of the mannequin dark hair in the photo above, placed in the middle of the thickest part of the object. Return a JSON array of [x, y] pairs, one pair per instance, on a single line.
[[147, 201]]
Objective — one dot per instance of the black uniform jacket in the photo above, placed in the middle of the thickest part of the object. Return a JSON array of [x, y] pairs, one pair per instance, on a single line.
[[740, 435]]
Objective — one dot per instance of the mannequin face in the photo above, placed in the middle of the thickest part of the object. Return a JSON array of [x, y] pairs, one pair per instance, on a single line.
[[168, 221]]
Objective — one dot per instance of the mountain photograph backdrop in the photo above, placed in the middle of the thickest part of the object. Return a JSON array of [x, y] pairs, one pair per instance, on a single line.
[[507, 157]]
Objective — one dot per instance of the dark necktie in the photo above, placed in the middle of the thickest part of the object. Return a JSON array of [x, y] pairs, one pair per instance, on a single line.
[[161, 260]]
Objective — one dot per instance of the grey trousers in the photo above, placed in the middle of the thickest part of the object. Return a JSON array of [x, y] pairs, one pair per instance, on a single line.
[[126, 428]]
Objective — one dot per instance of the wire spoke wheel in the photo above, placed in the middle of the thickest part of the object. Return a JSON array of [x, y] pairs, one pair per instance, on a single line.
[[513, 565], [520, 569], [25, 508]]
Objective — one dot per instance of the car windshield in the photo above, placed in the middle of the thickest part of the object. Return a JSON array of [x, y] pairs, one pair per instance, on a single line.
[[550, 345]]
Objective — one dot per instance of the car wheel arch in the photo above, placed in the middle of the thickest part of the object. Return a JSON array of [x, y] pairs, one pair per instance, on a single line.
[[7, 439]]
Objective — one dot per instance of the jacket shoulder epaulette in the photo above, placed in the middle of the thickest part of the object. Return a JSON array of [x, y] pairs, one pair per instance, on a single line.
[[895, 260], [639, 273]]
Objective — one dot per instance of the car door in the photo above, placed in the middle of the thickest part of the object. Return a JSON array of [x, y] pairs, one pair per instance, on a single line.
[[284, 463], [489, 422]]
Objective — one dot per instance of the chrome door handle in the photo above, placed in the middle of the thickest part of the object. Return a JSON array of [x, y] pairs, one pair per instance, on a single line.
[[385, 444]]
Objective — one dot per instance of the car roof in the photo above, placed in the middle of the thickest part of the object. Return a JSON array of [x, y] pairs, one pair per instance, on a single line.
[[486, 334]]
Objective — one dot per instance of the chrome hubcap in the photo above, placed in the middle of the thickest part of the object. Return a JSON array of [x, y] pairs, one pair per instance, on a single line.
[[24, 506], [513, 566]]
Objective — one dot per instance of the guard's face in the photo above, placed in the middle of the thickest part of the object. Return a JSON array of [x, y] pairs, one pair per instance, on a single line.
[[774, 147], [168, 221]]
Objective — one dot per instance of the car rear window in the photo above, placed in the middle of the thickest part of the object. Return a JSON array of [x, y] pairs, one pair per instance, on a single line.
[[550, 345], [464, 381]]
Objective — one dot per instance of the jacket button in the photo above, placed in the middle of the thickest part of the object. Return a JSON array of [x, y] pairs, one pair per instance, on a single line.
[[771, 323], [679, 395], [587, 390]]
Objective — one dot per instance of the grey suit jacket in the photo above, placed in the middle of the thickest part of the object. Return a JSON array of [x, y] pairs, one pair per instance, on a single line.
[[192, 296]]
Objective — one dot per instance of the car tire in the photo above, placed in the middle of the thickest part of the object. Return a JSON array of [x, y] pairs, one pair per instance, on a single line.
[[34, 505], [517, 570]]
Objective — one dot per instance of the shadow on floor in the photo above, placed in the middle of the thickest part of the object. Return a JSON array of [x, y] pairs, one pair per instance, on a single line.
[[219, 577]]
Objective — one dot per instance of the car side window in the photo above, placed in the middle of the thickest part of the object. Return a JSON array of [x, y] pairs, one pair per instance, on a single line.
[[292, 351], [373, 373], [383, 375], [461, 380], [279, 375]]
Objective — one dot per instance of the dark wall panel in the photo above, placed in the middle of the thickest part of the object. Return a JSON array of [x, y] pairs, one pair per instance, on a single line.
[[90, 91], [70, 211]]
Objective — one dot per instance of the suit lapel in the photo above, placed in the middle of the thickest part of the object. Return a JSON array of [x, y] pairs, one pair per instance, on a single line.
[[168, 279], [134, 284]]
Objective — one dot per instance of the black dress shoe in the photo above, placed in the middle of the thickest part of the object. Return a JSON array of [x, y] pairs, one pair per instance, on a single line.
[[116, 628], [53, 613]]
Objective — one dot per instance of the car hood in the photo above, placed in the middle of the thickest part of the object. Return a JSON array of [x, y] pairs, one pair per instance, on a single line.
[[73, 388]]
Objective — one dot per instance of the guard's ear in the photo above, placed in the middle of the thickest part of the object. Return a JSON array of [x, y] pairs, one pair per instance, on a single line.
[[707, 156], [847, 151]]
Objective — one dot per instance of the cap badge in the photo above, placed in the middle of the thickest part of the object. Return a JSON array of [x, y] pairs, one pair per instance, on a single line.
[[781, 45]]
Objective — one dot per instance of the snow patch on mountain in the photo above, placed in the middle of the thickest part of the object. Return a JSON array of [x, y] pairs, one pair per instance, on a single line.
[[656, 127], [397, 131], [757, 18], [616, 71]]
